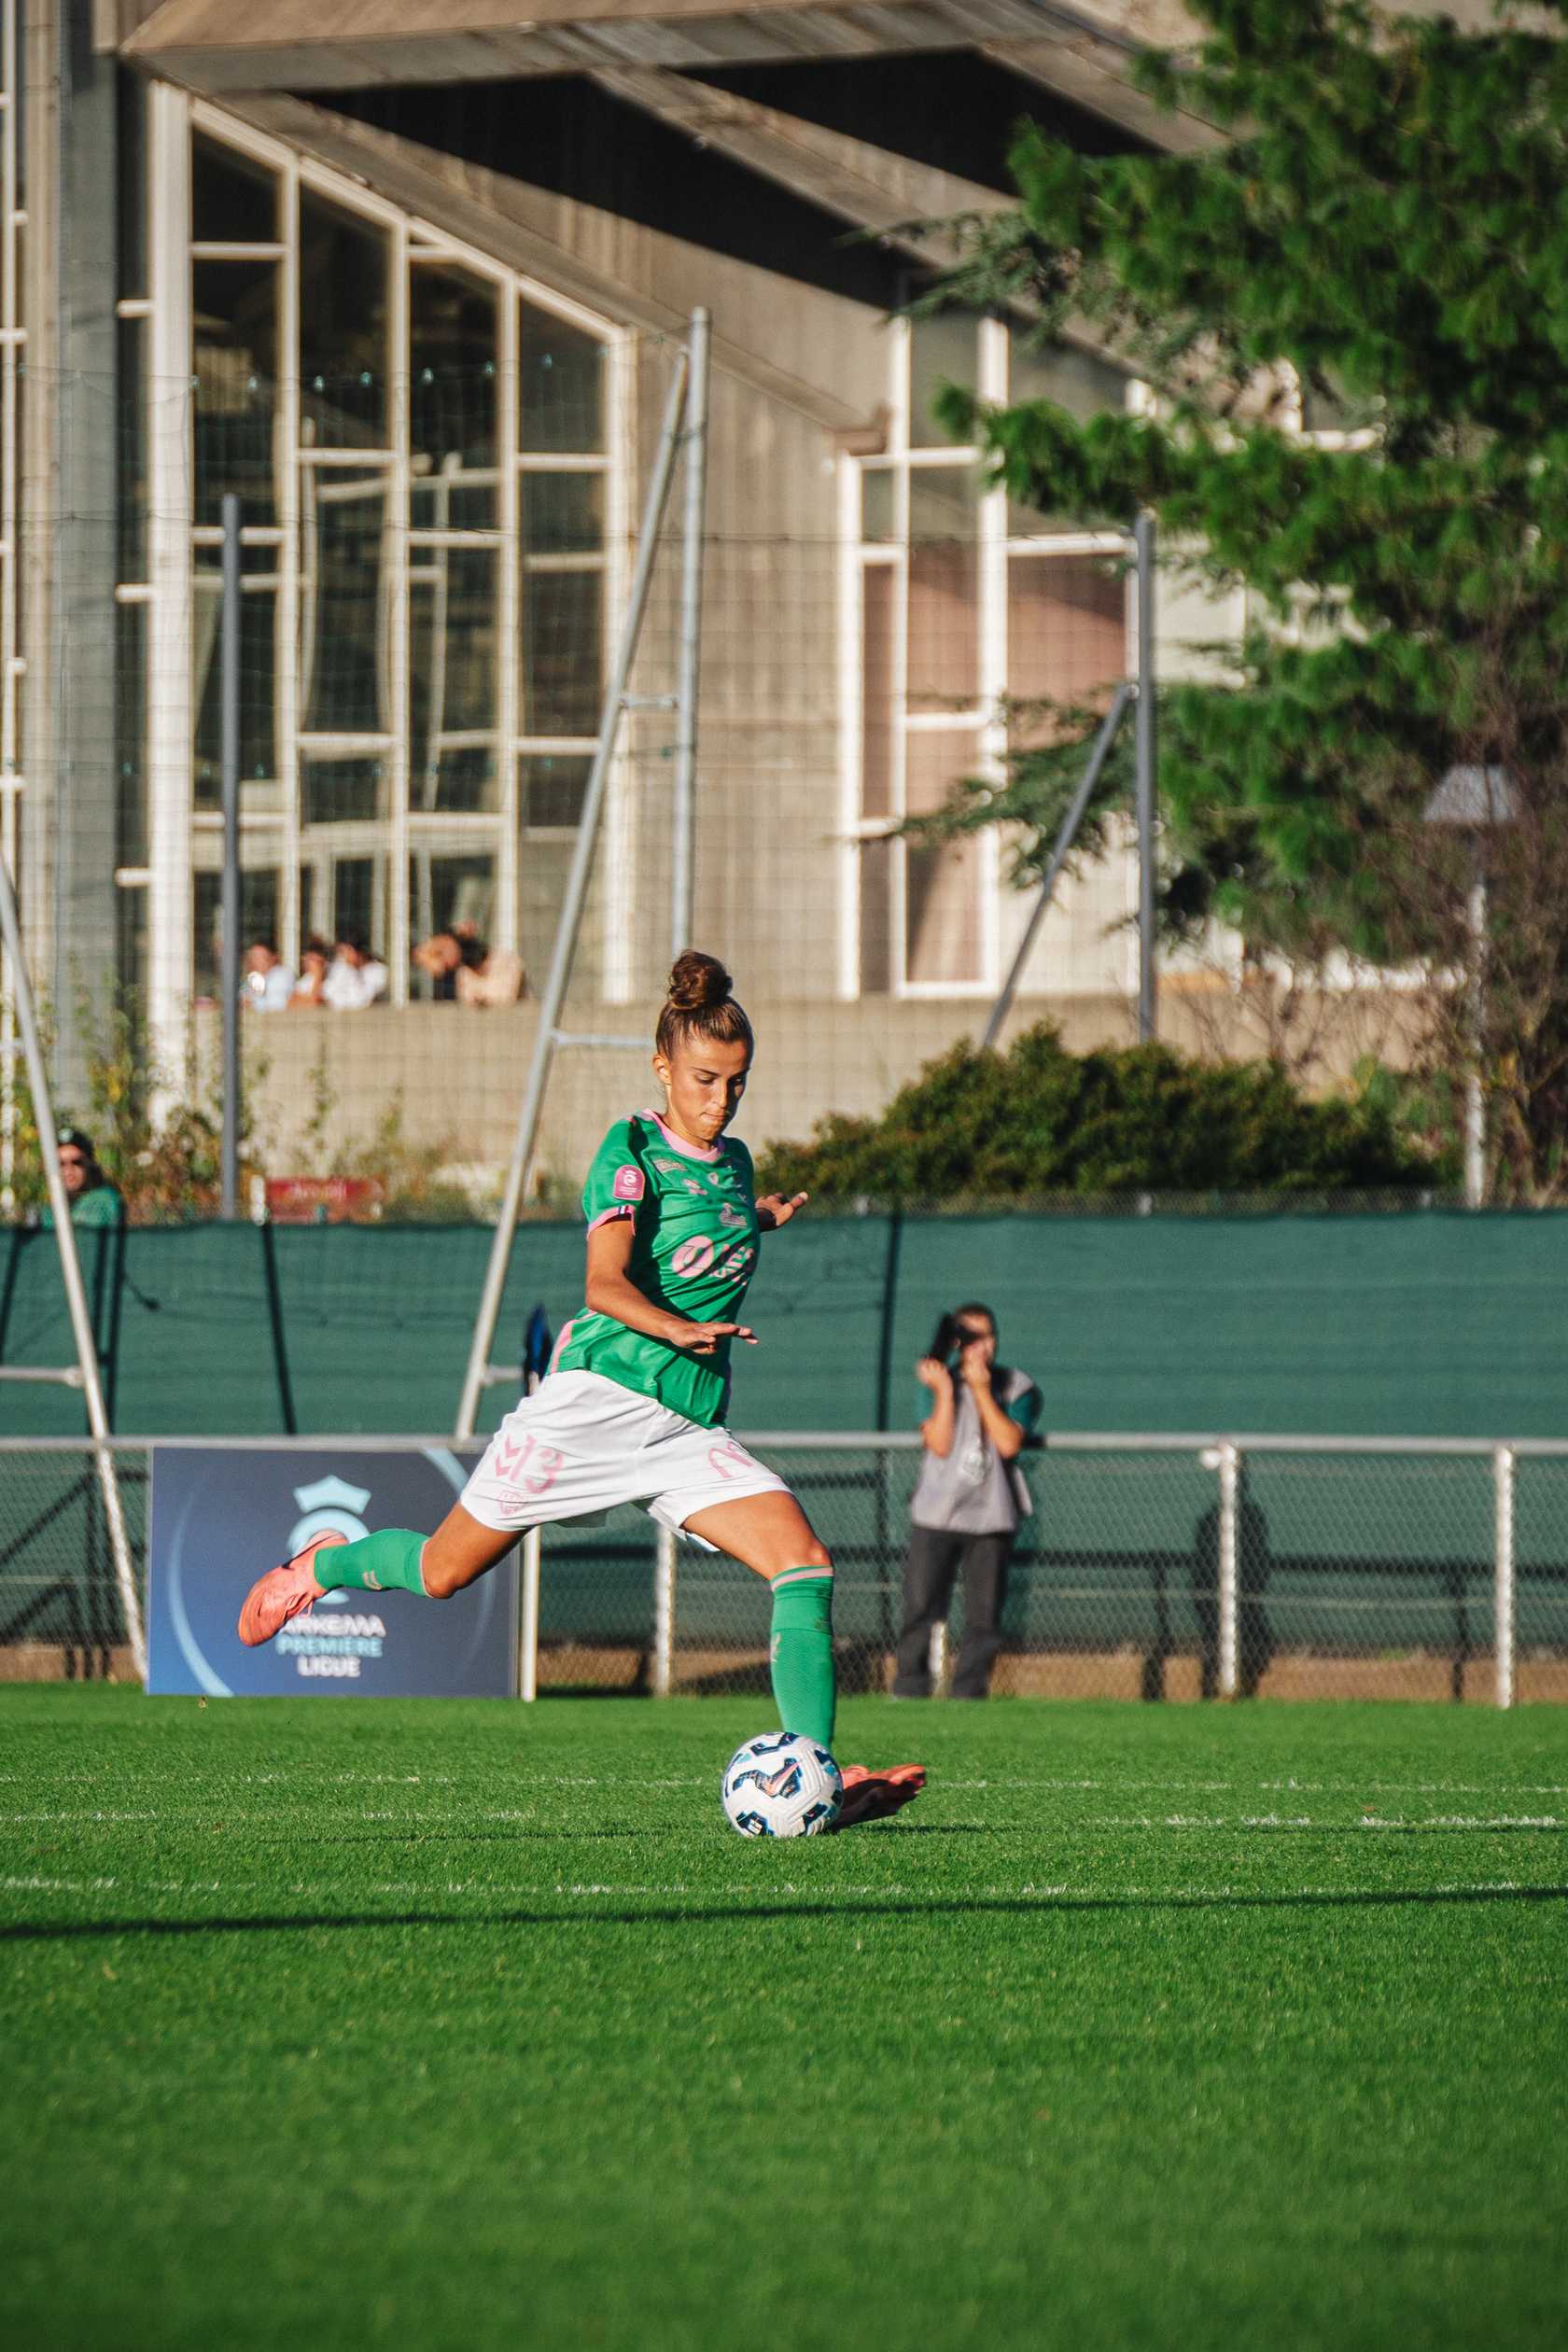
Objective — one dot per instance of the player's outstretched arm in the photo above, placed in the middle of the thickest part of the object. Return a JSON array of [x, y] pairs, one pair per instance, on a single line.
[[611, 1291], [775, 1208]]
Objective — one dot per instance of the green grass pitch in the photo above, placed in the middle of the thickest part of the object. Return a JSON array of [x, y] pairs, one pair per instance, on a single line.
[[466, 2025]]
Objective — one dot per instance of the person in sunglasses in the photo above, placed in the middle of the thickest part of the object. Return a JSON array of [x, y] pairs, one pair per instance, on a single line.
[[94, 1201]]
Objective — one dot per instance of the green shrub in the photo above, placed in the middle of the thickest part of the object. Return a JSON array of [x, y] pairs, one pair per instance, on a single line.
[[1041, 1120]]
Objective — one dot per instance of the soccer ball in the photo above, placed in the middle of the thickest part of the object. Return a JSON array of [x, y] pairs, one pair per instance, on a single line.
[[782, 1785]]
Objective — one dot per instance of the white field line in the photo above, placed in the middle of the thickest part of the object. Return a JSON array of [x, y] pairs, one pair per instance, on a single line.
[[1353, 1788], [822, 1898], [233, 1818]]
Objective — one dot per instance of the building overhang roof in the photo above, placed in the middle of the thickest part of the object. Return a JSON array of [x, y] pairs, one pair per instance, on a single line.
[[1084, 52], [495, 215]]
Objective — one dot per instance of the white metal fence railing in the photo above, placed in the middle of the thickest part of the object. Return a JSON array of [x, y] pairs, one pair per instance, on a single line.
[[1170, 1565]]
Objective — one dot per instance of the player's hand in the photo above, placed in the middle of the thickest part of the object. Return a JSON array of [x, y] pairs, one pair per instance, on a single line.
[[777, 1209], [702, 1338], [934, 1374]]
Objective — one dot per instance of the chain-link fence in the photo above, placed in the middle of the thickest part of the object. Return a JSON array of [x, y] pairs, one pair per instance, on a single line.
[[1153, 1568]]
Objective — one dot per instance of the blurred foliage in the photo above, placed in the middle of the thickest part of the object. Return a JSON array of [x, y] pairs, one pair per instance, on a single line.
[[1039, 1120]]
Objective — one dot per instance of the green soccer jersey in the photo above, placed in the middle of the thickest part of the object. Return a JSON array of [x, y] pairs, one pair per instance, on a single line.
[[694, 1234]]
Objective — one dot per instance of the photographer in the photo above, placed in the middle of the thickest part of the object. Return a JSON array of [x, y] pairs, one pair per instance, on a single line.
[[968, 1502]]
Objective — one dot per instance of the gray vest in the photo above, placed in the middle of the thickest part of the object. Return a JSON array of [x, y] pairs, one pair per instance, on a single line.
[[970, 1489]]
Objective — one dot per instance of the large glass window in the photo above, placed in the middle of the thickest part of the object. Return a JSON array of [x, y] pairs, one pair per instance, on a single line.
[[453, 399], [233, 201], [453, 666], [971, 608], [234, 327], [345, 359], [424, 454], [344, 601], [560, 369]]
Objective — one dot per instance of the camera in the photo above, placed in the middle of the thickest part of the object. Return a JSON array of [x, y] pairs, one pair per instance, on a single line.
[[947, 1347]]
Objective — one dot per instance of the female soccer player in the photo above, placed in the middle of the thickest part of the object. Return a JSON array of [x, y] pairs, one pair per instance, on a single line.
[[633, 1408]]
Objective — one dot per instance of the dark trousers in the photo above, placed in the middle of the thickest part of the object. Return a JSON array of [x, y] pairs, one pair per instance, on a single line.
[[931, 1567]]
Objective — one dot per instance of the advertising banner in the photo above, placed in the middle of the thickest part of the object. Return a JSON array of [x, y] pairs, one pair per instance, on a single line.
[[219, 1517]]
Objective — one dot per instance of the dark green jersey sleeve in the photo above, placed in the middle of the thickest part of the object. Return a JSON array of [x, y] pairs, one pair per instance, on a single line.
[[617, 1184]]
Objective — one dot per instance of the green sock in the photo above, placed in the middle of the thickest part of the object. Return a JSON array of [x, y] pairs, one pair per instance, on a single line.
[[375, 1563], [801, 1654]]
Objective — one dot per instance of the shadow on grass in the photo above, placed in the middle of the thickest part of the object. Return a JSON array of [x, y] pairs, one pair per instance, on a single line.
[[698, 1914]]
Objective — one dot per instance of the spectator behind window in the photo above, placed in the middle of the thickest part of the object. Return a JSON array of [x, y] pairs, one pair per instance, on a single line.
[[357, 978], [488, 975], [268, 983], [314, 963]]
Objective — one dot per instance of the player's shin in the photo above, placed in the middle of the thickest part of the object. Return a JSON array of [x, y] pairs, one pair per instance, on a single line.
[[801, 1652], [376, 1564]]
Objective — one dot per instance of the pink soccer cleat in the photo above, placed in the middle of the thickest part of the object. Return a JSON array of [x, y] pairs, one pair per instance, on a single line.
[[873, 1796], [283, 1593]]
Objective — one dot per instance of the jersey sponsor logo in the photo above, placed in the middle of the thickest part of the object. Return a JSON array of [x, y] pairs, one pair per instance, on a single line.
[[628, 1184], [693, 1257], [732, 1217]]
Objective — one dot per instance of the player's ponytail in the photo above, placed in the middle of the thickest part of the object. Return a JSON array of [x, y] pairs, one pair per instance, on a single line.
[[698, 1002]]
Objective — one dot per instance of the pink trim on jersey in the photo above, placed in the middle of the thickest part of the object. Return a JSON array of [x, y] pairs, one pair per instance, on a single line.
[[562, 1337], [677, 1143], [607, 1216]]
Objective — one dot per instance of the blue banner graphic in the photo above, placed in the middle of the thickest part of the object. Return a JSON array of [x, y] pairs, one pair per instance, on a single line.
[[220, 1518]]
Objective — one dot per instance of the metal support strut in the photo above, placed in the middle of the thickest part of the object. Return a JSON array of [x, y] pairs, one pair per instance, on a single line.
[[70, 1270]]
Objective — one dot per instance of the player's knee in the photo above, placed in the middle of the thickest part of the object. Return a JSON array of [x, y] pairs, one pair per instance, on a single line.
[[441, 1578], [817, 1556]]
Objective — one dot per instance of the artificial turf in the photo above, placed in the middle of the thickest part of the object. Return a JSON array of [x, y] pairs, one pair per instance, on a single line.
[[461, 2026]]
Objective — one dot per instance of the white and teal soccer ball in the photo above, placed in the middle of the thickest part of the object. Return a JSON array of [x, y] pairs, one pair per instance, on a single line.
[[781, 1786]]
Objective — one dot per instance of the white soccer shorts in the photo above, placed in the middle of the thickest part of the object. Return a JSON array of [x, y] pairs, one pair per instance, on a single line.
[[581, 1445]]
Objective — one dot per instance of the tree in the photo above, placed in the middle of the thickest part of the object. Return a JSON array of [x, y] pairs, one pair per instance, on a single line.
[[1384, 224]]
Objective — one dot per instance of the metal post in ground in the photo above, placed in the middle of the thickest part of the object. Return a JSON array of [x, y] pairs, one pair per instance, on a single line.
[[1504, 1637], [1475, 1105], [569, 921], [229, 983], [663, 1613], [684, 824], [1143, 541], [529, 1616], [1230, 1482]]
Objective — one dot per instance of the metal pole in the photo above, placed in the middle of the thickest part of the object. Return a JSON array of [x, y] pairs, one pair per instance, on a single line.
[[1064, 841], [1503, 1602], [70, 1267], [527, 1663], [229, 983], [683, 823], [571, 911], [1475, 1112], [1230, 1462], [1144, 541], [664, 1612]]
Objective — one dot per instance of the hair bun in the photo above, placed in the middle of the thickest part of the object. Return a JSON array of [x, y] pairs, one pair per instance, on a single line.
[[698, 983]]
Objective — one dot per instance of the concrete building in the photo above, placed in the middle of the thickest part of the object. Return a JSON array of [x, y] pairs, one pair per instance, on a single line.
[[408, 276]]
